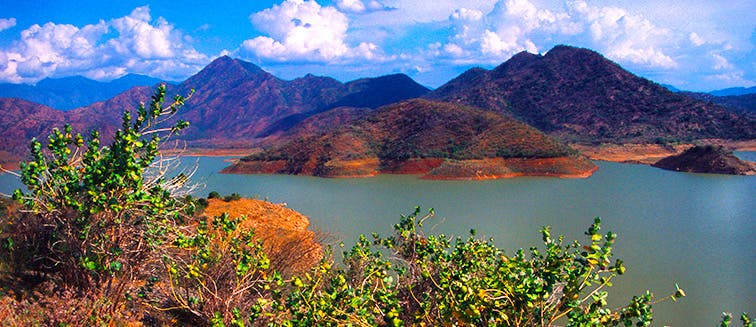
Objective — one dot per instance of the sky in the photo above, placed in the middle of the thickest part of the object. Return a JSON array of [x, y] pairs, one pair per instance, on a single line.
[[697, 45]]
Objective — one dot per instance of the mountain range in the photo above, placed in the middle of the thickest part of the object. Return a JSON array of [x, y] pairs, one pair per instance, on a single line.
[[580, 96], [573, 94], [73, 92]]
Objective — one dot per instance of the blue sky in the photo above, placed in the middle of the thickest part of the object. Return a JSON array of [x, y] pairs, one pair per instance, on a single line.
[[696, 45]]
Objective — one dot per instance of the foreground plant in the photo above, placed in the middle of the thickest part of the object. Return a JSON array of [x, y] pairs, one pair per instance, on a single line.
[[435, 280], [93, 215]]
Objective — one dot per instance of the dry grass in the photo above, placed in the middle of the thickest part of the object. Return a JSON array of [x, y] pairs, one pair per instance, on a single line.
[[34, 300], [287, 241]]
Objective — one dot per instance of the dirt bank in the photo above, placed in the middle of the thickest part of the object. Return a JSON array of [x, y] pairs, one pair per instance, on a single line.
[[291, 246]]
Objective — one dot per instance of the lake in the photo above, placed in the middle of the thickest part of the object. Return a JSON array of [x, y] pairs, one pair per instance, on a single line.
[[696, 230]]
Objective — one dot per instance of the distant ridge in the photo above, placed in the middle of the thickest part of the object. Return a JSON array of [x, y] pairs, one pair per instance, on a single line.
[[73, 92], [235, 103], [734, 91], [580, 96], [743, 104], [574, 94]]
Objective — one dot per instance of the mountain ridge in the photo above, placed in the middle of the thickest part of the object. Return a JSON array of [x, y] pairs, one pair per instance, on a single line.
[[580, 96], [73, 92], [571, 93]]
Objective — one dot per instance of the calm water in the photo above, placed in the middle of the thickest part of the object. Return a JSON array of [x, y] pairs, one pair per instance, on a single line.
[[696, 230]]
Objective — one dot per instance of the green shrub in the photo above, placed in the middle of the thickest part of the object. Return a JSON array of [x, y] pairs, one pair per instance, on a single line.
[[232, 197], [412, 279], [93, 215]]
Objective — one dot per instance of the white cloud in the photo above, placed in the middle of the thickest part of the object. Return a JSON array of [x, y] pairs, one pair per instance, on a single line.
[[464, 14], [360, 6], [623, 36], [44, 50], [137, 46], [137, 36], [508, 28], [512, 26], [720, 62], [301, 30], [6, 23], [696, 39]]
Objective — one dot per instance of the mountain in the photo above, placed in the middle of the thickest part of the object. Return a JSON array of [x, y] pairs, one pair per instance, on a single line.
[[235, 103], [744, 104], [438, 139], [73, 92], [20, 122], [734, 91], [580, 96], [671, 88]]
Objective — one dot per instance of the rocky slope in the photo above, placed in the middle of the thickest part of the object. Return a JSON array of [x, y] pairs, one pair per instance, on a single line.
[[439, 140], [580, 96], [707, 159]]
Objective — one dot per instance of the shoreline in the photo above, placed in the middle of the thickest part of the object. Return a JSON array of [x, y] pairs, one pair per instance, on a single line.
[[645, 154], [431, 168], [648, 154]]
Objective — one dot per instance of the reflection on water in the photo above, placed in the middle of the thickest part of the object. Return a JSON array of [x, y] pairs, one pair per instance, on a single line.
[[693, 229]]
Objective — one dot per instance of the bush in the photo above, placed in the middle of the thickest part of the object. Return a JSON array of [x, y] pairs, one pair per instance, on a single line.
[[232, 197], [95, 216], [435, 280]]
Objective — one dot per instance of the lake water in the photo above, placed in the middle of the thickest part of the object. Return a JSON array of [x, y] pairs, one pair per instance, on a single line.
[[696, 230]]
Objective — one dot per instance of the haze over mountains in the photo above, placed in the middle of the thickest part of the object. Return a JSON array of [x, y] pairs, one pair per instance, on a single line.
[[571, 93], [73, 92]]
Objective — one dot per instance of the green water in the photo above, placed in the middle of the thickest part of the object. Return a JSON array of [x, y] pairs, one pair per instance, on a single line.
[[696, 230]]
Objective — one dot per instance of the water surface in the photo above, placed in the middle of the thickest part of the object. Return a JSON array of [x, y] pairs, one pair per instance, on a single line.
[[696, 230]]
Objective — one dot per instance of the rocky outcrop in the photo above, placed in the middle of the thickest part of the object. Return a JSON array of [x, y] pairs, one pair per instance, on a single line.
[[709, 159]]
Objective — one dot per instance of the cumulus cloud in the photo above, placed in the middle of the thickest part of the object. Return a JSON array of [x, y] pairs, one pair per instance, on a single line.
[[138, 37], [138, 45], [624, 36], [300, 30], [6, 23], [360, 6], [509, 27], [512, 26]]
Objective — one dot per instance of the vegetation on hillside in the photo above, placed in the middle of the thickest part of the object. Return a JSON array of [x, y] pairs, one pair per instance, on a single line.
[[580, 96], [104, 236], [410, 130]]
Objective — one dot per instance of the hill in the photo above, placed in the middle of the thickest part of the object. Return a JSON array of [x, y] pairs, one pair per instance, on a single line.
[[235, 104], [73, 92], [440, 140], [20, 121], [580, 96], [707, 159]]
